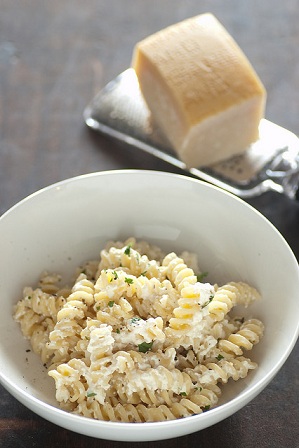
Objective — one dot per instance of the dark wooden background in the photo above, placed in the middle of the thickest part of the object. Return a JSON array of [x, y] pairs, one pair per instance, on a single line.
[[54, 56]]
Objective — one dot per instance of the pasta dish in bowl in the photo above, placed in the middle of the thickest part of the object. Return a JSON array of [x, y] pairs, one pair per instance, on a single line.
[[142, 306]]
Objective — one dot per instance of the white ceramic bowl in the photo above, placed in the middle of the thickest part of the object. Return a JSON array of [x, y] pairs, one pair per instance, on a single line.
[[60, 226]]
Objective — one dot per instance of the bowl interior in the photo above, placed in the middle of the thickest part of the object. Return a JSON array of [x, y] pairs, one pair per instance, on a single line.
[[59, 227]]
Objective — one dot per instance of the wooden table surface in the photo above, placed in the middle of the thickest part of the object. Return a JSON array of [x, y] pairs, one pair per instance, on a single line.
[[54, 56]]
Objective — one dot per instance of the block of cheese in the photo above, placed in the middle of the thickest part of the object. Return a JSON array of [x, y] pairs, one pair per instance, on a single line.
[[201, 90]]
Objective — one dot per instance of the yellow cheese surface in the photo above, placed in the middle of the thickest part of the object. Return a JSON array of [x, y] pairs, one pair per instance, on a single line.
[[194, 77]]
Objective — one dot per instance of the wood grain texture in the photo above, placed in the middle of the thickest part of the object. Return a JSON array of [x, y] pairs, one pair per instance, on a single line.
[[54, 56]]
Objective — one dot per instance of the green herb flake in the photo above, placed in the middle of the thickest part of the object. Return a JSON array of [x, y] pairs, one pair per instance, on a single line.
[[128, 250], [201, 276], [208, 301], [135, 319], [115, 276], [117, 331], [183, 394], [219, 357], [98, 308], [91, 394], [111, 303], [143, 273], [29, 297], [129, 281], [206, 408], [144, 347]]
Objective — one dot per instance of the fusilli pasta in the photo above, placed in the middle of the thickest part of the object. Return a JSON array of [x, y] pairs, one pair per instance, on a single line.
[[139, 337]]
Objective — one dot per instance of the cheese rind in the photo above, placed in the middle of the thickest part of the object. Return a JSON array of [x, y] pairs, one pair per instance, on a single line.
[[201, 89]]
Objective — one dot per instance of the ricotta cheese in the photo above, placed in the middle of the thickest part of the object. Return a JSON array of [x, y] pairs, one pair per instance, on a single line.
[[201, 90]]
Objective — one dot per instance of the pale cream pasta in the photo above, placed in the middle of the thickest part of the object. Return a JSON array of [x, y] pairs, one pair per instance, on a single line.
[[139, 336]]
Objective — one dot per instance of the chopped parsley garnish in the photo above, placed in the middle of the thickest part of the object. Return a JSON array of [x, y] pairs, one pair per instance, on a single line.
[[129, 280], [143, 273], [91, 394], [183, 394], [208, 301], [201, 276], [219, 357], [135, 319], [198, 388], [115, 275], [111, 303], [145, 346], [98, 307], [117, 330], [206, 408], [128, 250]]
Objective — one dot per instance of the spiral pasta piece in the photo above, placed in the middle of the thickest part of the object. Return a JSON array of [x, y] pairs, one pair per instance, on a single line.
[[70, 320], [130, 260], [35, 327], [43, 303], [220, 370], [48, 283], [229, 295], [40, 337], [83, 290], [66, 333], [69, 386], [191, 305], [178, 272], [249, 334]]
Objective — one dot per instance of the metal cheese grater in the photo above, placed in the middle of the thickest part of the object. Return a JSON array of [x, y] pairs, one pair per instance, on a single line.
[[271, 163]]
